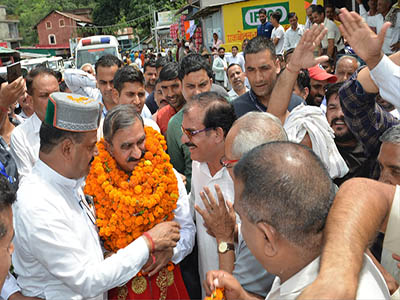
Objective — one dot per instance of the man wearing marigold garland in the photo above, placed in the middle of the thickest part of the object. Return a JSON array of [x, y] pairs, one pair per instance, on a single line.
[[134, 188], [58, 253]]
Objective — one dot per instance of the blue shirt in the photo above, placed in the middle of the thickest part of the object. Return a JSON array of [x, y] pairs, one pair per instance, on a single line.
[[265, 29]]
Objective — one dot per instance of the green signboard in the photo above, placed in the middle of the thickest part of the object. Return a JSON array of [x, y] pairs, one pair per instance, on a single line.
[[250, 14]]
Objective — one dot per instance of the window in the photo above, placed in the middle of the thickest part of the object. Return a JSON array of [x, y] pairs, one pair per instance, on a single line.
[[48, 25], [61, 22], [52, 39]]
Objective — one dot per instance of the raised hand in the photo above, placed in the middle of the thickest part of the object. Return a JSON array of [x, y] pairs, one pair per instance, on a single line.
[[303, 55], [10, 92], [366, 43], [220, 220]]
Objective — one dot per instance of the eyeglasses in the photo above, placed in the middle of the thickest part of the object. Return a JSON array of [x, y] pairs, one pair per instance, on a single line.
[[190, 133], [227, 163]]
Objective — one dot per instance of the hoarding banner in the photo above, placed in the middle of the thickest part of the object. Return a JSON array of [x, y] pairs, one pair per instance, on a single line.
[[250, 14]]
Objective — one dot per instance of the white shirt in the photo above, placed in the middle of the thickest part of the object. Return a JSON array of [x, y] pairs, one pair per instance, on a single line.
[[292, 37], [138, 62], [82, 83], [392, 34], [10, 287], [333, 33], [59, 254], [57, 248], [386, 76], [233, 95], [371, 284], [278, 32], [25, 144], [238, 59], [391, 243], [207, 245]]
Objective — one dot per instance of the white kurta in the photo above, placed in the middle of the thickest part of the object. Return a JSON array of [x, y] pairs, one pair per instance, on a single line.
[[207, 245], [25, 144], [57, 248]]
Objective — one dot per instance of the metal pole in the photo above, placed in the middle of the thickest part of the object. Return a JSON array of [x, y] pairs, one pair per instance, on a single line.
[[155, 29]]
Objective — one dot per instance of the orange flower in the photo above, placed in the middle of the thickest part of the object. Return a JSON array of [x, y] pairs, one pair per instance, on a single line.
[[218, 294], [129, 204]]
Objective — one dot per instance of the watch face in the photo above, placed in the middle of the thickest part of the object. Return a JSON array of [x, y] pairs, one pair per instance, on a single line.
[[223, 246]]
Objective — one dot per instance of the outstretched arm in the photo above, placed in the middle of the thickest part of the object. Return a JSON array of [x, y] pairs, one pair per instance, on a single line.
[[361, 208], [302, 57]]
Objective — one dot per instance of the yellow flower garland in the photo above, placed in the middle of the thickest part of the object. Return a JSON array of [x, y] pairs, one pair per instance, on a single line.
[[126, 206]]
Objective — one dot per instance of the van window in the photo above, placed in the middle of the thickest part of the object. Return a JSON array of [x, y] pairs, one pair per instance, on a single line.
[[90, 56]]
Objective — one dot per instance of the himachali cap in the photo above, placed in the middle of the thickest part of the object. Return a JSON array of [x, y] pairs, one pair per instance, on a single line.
[[318, 73], [73, 112]]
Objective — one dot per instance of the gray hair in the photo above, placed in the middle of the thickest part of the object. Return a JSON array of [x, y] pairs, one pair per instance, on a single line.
[[120, 117], [287, 186], [256, 128], [391, 135], [349, 57]]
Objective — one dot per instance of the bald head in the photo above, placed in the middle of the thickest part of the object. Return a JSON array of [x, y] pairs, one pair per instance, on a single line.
[[252, 130], [345, 67], [287, 186]]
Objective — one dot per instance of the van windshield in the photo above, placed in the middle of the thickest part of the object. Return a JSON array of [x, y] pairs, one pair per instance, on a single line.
[[90, 56]]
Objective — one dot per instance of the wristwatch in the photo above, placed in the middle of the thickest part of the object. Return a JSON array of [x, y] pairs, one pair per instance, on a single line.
[[225, 247]]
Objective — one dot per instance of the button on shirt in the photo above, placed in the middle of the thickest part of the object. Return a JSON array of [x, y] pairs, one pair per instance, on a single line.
[[57, 248], [371, 284], [207, 245], [292, 37], [25, 145]]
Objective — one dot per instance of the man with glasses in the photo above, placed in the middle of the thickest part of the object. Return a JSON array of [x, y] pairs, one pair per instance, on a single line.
[[207, 119], [249, 131]]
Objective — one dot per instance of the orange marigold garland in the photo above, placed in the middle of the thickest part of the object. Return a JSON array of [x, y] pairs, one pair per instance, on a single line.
[[218, 294], [128, 205]]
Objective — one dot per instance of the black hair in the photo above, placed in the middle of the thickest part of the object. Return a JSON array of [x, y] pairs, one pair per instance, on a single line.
[[232, 65], [161, 62], [7, 198], [151, 63], [221, 48], [318, 9], [127, 74], [276, 15], [235, 47], [51, 136], [332, 89], [107, 61], [41, 70], [219, 112], [292, 15], [169, 72], [303, 79], [193, 63], [262, 11], [258, 44]]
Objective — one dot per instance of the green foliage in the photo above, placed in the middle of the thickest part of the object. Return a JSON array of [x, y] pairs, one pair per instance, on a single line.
[[30, 12], [106, 12]]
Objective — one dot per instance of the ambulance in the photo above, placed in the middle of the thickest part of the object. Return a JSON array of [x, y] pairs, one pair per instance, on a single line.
[[90, 49]]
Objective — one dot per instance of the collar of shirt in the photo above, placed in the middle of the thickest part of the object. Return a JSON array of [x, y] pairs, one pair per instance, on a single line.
[[36, 123], [253, 97], [105, 111], [297, 282], [220, 174], [55, 178]]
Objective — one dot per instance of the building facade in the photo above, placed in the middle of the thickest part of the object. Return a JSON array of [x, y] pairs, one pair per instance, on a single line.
[[9, 35]]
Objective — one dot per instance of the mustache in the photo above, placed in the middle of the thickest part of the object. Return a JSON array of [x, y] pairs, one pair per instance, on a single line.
[[337, 119], [132, 159], [189, 144]]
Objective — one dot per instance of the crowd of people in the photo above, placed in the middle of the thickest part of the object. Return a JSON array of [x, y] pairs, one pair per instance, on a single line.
[[256, 174]]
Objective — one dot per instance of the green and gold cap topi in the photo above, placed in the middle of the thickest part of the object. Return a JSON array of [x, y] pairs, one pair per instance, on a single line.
[[73, 112]]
